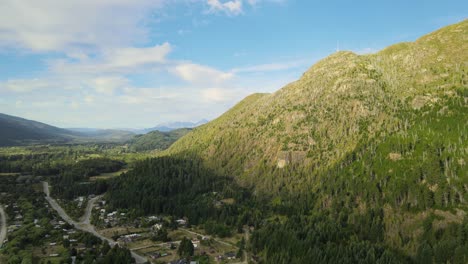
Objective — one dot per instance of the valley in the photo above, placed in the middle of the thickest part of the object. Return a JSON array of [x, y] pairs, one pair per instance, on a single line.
[[361, 160]]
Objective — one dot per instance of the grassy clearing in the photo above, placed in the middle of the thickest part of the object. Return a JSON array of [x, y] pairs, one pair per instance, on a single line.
[[105, 176], [109, 232], [9, 174]]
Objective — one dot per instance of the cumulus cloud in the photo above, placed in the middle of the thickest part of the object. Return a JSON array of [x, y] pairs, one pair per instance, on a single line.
[[217, 94], [102, 60], [233, 7], [114, 60], [56, 25], [107, 85], [24, 85], [196, 73]]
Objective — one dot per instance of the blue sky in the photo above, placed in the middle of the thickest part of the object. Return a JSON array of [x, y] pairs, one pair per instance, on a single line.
[[137, 63]]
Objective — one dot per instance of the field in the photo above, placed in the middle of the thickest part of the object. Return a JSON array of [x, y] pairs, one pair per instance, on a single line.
[[105, 176]]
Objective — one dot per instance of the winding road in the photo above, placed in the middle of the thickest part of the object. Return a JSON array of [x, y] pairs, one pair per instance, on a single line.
[[84, 224], [3, 225]]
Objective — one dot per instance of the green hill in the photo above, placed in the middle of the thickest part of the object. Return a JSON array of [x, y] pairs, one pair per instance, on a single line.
[[156, 140], [16, 130], [362, 160], [340, 104]]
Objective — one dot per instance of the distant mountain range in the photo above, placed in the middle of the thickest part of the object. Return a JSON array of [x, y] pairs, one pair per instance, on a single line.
[[169, 126], [15, 130], [19, 131], [156, 140]]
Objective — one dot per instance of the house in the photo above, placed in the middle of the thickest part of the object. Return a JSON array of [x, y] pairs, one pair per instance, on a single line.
[[153, 218], [230, 255], [181, 221], [195, 243], [156, 227], [112, 214]]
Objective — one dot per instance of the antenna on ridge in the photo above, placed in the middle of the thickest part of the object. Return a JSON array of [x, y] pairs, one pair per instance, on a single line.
[[337, 46]]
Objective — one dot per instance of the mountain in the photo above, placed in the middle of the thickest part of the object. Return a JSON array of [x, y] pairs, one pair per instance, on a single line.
[[156, 140], [361, 160], [15, 130], [339, 105], [166, 127], [19, 131]]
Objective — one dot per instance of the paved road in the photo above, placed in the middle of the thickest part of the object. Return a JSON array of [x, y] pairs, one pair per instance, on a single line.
[[84, 224], [86, 218], [3, 224]]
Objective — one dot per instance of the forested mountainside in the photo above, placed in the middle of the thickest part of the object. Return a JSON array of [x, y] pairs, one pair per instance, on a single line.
[[15, 130], [341, 103], [363, 159], [156, 140]]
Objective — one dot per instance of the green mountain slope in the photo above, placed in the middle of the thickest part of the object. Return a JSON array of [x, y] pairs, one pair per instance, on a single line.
[[340, 103], [19, 131], [16, 130], [156, 140], [362, 160]]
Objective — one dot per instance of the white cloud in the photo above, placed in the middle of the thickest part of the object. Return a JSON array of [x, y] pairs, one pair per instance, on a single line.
[[107, 85], [256, 2], [122, 60], [233, 7], [196, 73], [57, 25], [89, 99], [24, 85], [217, 94], [131, 57], [74, 105]]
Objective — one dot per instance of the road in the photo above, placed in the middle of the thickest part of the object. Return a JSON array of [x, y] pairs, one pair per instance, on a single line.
[[85, 219], [3, 224], [198, 234], [84, 224]]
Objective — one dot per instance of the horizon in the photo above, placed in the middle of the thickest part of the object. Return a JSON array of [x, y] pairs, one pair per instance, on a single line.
[[136, 64]]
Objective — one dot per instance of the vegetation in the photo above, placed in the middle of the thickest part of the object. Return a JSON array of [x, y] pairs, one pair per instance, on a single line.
[[372, 146], [156, 140], [18, 131], [362, 160], [37, 237], [185, 249]]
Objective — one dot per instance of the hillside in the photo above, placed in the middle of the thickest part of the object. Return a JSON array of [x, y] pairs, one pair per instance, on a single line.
[[156, 140], [19, 131], [362, 160], [341, 103], [16, 130], [170, 126]]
